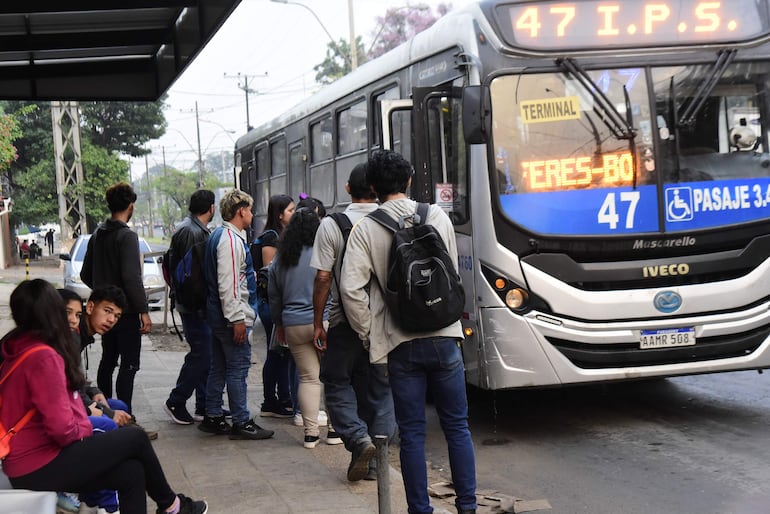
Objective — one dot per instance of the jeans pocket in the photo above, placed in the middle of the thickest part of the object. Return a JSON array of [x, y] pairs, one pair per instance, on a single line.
[[448, 353]]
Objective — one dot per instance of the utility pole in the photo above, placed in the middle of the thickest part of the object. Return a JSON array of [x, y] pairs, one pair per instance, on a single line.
[[200, 158], [149, 194], [245, 87], [353, 44]]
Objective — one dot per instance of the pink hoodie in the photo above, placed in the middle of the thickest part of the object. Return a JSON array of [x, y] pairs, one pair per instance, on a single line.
[[38, 382]]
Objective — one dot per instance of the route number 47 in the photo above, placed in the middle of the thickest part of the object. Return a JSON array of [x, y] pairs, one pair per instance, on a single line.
[[608, 213]]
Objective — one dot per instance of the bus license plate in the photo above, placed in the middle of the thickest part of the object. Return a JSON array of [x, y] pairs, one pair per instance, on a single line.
[[667, 338]]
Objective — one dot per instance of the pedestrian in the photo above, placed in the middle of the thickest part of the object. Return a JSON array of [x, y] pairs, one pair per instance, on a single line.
[[49, 241], [56, 450], [275, 371], [231, 304], [418, 360], [113, 258], [357, 393], [290, 289], [195, 369]]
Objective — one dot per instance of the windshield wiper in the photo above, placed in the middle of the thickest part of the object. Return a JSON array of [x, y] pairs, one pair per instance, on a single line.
[[631, 140], [618, 126], [724, 58]]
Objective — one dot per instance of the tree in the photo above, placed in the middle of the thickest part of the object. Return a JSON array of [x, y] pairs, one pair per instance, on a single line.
[[123, 127], [397, 26], [401, 24], [337, 62]]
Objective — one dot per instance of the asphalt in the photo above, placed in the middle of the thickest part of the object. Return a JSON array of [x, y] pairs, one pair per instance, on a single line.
[[273, 476]]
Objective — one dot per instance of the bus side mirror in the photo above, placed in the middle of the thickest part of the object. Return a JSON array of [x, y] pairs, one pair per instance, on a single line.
[[474, 116]]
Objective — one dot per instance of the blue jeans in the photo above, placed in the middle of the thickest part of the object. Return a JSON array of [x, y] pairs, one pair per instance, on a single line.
[[195, 370], [434, 362], [357, 393], [275, 372], [230, 364]]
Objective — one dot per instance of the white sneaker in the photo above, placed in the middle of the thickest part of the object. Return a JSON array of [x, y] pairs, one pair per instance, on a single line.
[[323, 419]]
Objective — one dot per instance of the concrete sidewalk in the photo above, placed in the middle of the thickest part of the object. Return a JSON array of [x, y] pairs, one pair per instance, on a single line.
[[273, 476]]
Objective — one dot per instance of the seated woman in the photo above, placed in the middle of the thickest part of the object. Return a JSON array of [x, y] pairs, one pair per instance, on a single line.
[[56, 450]]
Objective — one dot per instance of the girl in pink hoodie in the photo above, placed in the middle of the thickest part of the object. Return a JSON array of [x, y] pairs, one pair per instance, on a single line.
[[56, 450]]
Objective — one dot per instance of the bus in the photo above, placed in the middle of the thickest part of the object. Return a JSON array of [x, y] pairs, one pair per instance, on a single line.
[[605, 165]]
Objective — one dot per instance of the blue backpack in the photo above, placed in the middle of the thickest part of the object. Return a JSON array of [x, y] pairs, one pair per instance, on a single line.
[[187, 279]]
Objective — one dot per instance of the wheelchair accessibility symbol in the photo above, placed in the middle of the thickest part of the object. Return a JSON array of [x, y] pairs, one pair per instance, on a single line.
[[679, 204]]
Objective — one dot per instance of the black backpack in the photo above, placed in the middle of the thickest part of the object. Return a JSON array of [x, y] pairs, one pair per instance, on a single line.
[[423, 290], [261, 271]]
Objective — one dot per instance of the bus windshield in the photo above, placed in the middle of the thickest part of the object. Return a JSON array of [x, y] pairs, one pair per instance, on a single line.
[[696, 157]]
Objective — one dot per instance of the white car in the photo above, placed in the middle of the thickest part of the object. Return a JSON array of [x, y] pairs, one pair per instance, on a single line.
[[152, 274]]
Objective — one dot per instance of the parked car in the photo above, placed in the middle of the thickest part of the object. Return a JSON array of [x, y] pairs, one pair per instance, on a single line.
[[152, 275]]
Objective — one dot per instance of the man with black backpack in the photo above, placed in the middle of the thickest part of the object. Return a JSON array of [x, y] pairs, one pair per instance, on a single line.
[[357, 393], [373, 275], [189, 237]]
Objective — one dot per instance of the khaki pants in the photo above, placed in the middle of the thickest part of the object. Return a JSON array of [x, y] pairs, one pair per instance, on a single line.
[[308, 361]]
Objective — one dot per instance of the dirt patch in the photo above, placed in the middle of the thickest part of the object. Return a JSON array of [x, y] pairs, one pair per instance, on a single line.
[[167, 340]]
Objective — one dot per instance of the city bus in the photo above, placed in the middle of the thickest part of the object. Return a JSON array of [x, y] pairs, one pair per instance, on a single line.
[[605, 165]]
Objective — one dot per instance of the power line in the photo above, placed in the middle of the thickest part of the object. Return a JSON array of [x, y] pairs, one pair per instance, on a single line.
[[245, 87]]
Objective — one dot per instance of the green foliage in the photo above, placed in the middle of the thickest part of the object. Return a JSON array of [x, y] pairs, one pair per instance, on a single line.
[[123, 127], [337, 62], [101, 169]]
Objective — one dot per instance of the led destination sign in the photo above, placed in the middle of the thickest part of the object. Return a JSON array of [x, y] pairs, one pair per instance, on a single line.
[[606, 170], [598, 23]]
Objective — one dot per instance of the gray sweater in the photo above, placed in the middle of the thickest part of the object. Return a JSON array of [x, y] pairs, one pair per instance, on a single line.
[[290, 291]]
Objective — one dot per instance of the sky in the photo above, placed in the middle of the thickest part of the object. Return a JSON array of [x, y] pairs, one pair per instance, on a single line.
[[276, 45]]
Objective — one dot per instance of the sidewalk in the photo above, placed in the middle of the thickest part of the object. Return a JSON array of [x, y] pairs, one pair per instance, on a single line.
[[274, 476]]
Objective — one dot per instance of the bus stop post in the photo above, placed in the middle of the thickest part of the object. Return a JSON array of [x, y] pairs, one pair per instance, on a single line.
[[383, 474]]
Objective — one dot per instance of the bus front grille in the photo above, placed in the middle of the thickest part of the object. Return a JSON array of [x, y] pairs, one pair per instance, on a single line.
[[621, 355]]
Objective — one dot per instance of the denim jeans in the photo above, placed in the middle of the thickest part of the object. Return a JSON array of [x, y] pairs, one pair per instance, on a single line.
[[230, 364], [275, 372], [195, 369], [414, 366], [124, 343], [357, 393]]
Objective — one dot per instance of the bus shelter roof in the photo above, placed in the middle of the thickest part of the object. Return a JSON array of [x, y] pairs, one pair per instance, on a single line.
[[101, 49]]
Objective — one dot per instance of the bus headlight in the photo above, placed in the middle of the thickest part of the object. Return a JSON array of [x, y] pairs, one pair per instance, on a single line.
[[516, 298]]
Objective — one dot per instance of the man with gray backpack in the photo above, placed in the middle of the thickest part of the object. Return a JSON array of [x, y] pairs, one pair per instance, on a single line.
[[384, 248]]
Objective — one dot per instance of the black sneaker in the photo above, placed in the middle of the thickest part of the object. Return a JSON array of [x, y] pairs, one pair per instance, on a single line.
[[275, 411], [178, 413], [249, 430], [188, 506], [372, 473], [363, 451], [310, 441], [332, 437], [216, 425]]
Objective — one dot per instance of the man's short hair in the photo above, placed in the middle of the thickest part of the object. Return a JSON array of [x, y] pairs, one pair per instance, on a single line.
[[388, 173], [119, 196], [232, 201], [201, 201], [359, 186], [112, 294]]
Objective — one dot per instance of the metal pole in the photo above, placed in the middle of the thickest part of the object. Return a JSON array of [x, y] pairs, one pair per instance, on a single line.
[[246, 91], [200, 158], [353, 45], [383, 474], [149, 195]]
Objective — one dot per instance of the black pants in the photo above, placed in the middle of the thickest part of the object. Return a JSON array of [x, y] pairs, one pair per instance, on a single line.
[[125, 342], [122, 459]]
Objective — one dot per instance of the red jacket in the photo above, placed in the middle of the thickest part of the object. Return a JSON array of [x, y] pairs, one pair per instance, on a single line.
[[38, 382]]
